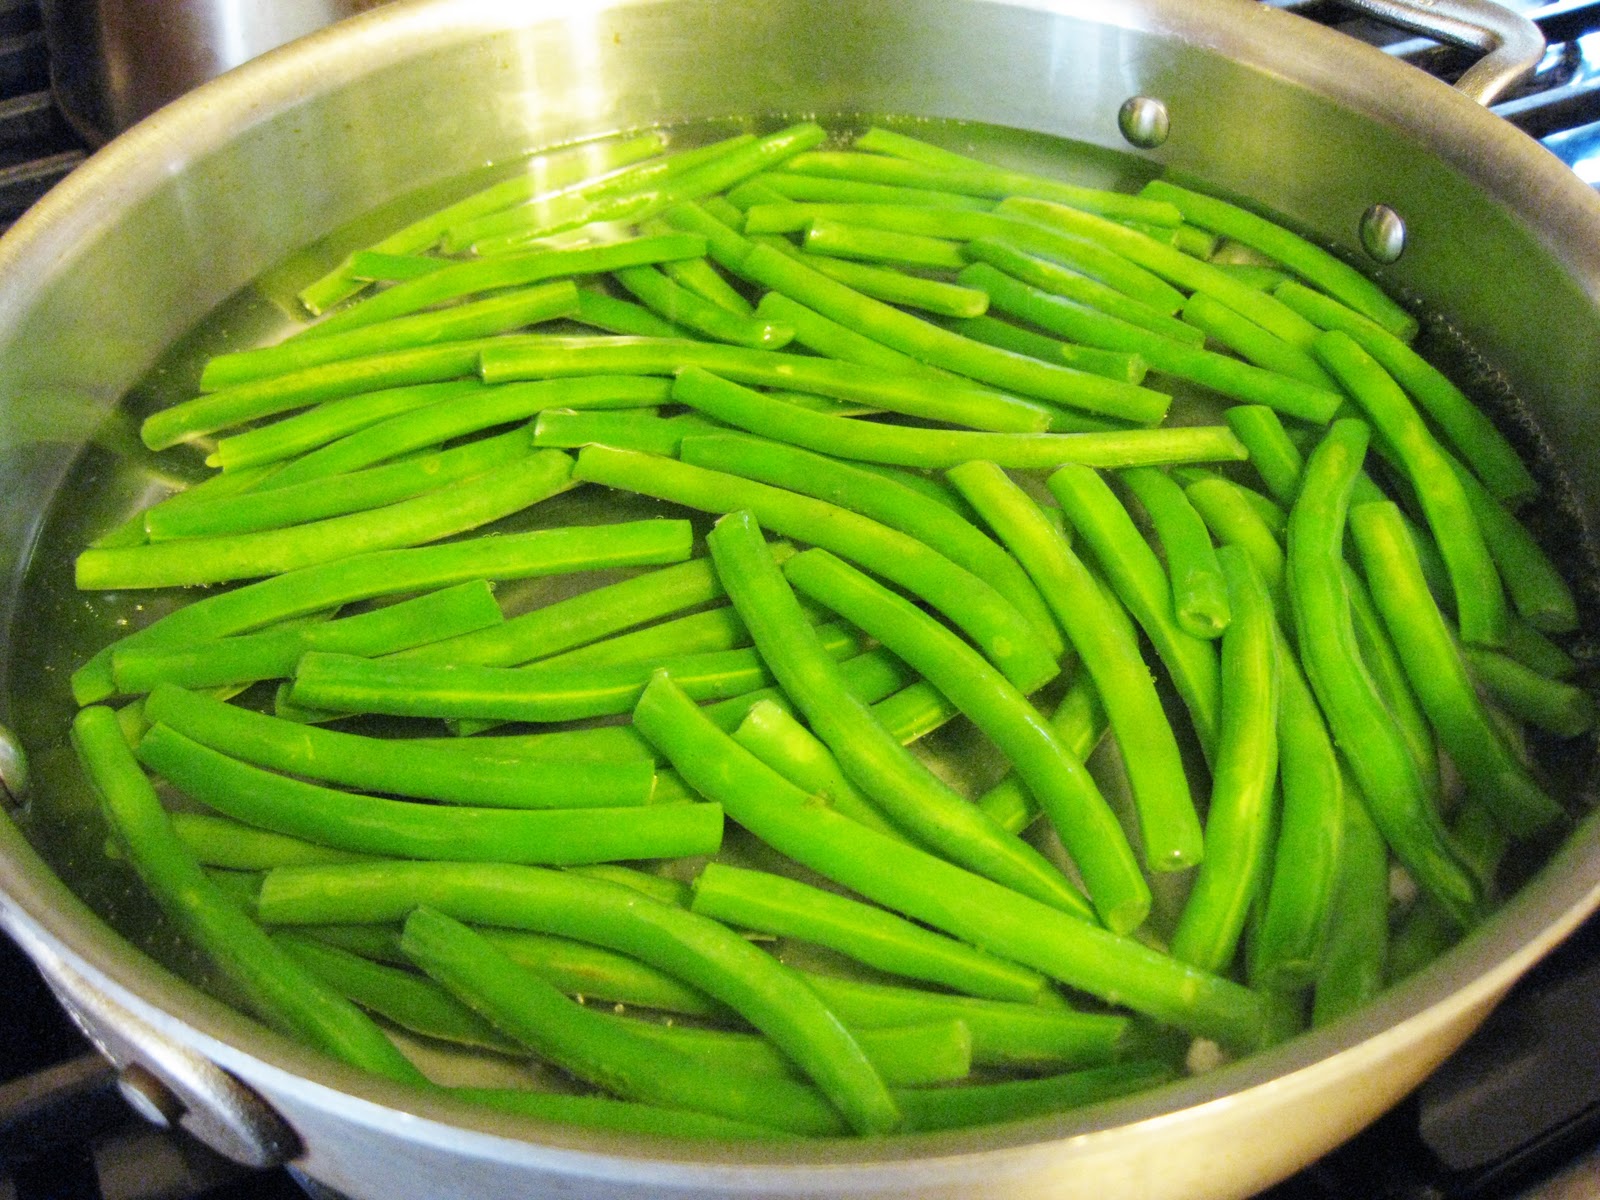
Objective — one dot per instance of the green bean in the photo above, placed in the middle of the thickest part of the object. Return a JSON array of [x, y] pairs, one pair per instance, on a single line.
[[696, 950], [1113, 364], [375, 266], [928, 889], [994, 624], [820, 188], [699, 276], [276, 990], [888, 286], [631, 429], [906, 791], [599, 1112], [934, 448], [885, 500], [789, 748], [837, 239], [1199, 592], [390, 572], [445, 420], [475, 776], [978, 179], [1357, 942], [1435, 667], [1257, 275], [1003, 1033], [596, 1050], [622, 316], [897, 391], [1388, 776], [1080, 254], [214, 411], [1538, 592], [453, 509], [131, 532], [272, 654], [505, 271], [1235, 522], [410, 1001], [1253, 343], [424, 232], [913, 712], [269, 507], [1169, 264], [1240, 815], [788, 908], [901, 331], [1052, 773], [327, 422], [345, 683], [222, 842], [1304, 873], [693, 312], [1141, 584], [398, 828], [1537, 652], [478, 319], [1491, 457], [929, 1109], [832, 340], [1222, 374], [1061, 281], [1480, 600], [1276, 459], [1080, 721], [724, 171], [1556, 707], [1309, 261]]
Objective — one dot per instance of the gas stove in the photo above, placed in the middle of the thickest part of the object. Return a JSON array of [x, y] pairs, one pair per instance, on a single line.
[[1514, 1115]]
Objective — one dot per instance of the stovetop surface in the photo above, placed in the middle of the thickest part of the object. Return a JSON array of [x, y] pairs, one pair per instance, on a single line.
[[1514, 1116]]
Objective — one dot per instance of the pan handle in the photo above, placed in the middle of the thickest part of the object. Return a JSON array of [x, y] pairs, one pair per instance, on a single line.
[[1511, 43]]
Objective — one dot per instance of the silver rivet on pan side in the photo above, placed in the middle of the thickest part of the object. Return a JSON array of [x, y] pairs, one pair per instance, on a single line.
[[13, 769], [1144, 121], [1383, 233]]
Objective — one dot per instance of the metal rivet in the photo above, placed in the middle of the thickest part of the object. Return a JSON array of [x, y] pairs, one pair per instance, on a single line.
[[1383, 233], [1144, 121], [13, 768], [149, 1097]]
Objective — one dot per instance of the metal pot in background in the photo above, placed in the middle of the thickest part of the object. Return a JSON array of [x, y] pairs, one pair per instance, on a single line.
[[114, 62]]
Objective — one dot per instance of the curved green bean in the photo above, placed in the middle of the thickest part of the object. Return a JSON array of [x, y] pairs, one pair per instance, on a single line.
[[887, 500], [838, 239], [1356, 949], [613, 1056], [273, 653], [401, 829], [1252, 343], [1388, 776], [1018, 1099], [1199, 592], [1169, 827], [1274, 456], [613, 315], [832, 340], [474, 775], [461, 506], [907, 792], [1225, 375], [901, 445], [682, 307], [888, 286], [1492, 458], [223, 842], [1438, 674], [928, 889], [1005, 635], [601, 1112], [1056, 777], [775, 904], [1234, 521], [277, 990], [391, 572], [1080, 721], [1480, 600], [1113, 364], [1240, 816], [1141, 584], [631, 429], [1549, 704], [826, 190]]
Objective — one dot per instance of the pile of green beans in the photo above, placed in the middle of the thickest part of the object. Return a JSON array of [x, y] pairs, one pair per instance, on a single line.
[[824, 836]]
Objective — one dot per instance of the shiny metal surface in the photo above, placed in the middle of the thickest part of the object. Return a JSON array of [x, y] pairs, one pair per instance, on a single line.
[[1512, 44], [175, 217], [114, 62], [1383, 234], [1144, 121]]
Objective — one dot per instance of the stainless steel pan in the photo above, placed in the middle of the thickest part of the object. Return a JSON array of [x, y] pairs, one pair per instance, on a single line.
[[174, 217]]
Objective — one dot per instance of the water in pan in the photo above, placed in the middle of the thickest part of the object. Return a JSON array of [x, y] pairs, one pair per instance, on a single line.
[[59, 626]]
